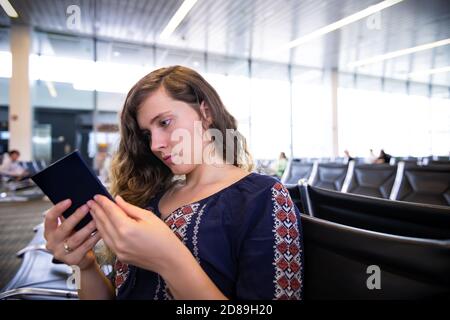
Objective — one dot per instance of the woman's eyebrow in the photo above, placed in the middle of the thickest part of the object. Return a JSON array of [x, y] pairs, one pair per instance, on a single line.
[[158, 116]]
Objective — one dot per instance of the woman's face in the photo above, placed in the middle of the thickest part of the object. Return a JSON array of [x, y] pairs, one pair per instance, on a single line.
[[173, 128]]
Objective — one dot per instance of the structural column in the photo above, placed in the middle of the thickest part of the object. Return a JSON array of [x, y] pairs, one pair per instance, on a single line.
[[20, 110], [334, 78]]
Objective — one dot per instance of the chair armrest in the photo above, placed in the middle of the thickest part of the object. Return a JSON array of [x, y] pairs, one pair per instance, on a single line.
[[51, 293]]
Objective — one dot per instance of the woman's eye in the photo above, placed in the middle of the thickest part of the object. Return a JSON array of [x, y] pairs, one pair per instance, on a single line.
[[165, 123]]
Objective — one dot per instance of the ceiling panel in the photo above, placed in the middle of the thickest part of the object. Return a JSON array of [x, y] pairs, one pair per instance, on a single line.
[[259, 28]]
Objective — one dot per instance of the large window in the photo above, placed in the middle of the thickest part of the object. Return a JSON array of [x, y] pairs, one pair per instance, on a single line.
[[234, 92], [5, 69], [400, 124], [440, 126], [311, 114], [5, 75], [270, 125]]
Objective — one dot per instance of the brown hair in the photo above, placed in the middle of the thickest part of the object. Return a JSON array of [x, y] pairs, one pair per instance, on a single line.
[[136, 173]]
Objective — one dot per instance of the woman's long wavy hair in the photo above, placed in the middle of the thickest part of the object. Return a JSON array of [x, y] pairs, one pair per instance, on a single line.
[[136, 173]]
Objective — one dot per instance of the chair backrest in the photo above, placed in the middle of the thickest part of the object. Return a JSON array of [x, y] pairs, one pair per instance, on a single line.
[[294, 192], [439, 162], [425, 184], [28, 165], [330, 176], [41, 165], [375, 180], [381, 215], [296, 170], [360, 160], [343, 262]]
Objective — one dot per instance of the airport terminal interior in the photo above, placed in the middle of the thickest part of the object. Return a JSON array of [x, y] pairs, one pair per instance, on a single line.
[[344, 106]]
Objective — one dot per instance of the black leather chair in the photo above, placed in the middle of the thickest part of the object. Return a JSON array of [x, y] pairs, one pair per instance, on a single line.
[[330, 176], [440, 162], [425, 184], [381, 215], [29, 166], [297, 170], [343, 262], [294, 192], [41, 165], [372, 180]]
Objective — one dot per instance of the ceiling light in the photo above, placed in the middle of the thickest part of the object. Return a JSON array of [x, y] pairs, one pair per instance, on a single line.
[[8, 9], [341, 23], [398, 53], [177, 18]]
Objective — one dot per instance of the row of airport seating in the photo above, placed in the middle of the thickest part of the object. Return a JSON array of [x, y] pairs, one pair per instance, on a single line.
[[38, 277], [360, 160], [12, 190], [33, 166], [402, 181], [345, 235], [265, 163]]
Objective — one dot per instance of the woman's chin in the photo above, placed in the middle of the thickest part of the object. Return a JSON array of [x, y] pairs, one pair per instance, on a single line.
[[181, 169]]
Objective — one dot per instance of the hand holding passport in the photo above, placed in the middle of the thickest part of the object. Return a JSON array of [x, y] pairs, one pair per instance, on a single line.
[[70, 178]]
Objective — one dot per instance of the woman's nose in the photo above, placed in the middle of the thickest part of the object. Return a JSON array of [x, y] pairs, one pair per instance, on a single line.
[[158, 143]]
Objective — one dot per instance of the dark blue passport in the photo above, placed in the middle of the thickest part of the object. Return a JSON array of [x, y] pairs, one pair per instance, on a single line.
[[70, 178]]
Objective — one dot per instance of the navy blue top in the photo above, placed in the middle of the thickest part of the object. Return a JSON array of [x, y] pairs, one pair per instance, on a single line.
[[246, 237]]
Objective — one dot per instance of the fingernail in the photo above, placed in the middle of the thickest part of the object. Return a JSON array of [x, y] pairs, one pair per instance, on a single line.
[[65, 202], [96, 197], [89, 203]]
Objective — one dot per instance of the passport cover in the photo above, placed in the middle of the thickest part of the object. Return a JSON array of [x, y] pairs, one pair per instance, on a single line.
[[70, 178]]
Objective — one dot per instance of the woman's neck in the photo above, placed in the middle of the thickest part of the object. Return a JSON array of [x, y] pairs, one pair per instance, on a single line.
[[207, 174]]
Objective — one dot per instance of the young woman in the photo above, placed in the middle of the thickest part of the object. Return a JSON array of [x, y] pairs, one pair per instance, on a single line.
[[190, 220]]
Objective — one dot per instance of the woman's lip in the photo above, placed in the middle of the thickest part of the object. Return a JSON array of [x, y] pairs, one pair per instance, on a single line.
[[168, 159]]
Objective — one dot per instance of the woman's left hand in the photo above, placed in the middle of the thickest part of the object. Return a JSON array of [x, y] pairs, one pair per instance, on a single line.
[[136, 235]]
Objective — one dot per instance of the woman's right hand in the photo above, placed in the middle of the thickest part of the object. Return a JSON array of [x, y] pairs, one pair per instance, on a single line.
[[62, 236]]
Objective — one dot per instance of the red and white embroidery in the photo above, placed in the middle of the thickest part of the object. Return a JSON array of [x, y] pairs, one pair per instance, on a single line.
[[195, 236], [180, 219], [287, 249], [122, 272], [178, 222]]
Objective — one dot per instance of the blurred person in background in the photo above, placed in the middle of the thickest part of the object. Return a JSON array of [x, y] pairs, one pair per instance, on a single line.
[[347, 157], [372, 158], [102, 162], [11, 167], [281, 164], [383, 157]]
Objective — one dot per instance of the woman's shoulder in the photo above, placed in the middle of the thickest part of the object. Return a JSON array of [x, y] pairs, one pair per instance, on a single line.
[[262, 181], [257, 203], [256, 185]]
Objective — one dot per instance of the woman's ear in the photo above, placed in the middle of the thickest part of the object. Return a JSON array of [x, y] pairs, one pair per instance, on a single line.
[[206, 113]]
